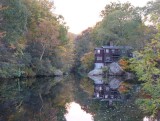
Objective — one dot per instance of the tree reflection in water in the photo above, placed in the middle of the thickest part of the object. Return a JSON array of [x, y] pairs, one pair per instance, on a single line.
[[114, 100], [41, 99], [45, 99]]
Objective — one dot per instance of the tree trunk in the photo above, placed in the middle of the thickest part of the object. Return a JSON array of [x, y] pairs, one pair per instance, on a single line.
[[42, 52]]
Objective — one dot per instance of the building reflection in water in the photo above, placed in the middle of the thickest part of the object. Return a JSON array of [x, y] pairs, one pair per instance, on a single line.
[[109, 91]]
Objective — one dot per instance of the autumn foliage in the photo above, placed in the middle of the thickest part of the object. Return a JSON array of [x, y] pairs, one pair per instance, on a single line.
[[123, 63], [87, 61], [30, 36]]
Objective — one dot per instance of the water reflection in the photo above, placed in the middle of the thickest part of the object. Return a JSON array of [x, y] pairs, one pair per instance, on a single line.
[[31, 100], [45, 99], [149, 119], [111, 91], [76, 113], [114, 100]]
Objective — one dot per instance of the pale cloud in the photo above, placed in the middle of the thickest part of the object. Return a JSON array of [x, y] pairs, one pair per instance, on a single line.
[[81, 14]]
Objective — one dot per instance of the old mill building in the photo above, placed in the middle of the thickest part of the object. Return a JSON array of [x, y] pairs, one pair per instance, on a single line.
[[109, 54]]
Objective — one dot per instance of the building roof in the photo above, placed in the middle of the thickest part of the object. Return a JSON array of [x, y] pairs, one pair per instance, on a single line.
[[113, 47], [117, 47], [98, 48]]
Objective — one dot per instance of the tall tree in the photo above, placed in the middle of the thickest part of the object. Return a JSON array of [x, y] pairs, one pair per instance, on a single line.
[[152, 12], [14, 19], [46, 36], [121, 24]]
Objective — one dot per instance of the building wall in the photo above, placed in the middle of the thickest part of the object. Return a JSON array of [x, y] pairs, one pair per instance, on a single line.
[[99, 55], [98, 65], [108, 54]]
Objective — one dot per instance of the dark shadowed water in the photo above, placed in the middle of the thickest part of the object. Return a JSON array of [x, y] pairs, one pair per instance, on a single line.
[[69, 99]]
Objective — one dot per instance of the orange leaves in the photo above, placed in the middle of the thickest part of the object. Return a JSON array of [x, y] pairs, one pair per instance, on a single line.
[[145, 95], [123, 63], [124, 87], [3, 7]]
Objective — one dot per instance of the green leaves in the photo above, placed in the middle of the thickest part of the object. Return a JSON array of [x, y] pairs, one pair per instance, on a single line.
[[121, 24], [14, 20], [87, 61], [147, 69], [30, 31], [152, 12]]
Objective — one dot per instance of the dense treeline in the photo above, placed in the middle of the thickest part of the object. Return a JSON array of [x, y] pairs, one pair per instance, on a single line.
[[121, 24], [34, 41], [124, 24], [146, 64]]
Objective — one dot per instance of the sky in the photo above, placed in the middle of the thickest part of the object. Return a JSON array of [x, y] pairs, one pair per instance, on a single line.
[[81, 14]]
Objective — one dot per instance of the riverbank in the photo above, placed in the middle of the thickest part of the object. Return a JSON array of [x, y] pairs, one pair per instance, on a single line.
[[13, 72]]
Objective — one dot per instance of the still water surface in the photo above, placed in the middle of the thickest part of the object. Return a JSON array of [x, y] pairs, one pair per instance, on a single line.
[[69, 99], [76, 113]]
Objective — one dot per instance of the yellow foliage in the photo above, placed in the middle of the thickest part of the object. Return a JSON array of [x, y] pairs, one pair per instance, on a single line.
[[87, 60]]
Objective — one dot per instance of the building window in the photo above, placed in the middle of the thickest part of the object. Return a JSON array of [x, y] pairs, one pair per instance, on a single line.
[[113, 50], [98, 51], [123, 51], [99, 58], [108, 58], [107, 50]]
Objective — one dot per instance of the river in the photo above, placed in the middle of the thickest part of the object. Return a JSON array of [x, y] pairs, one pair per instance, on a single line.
[[69, 99]]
